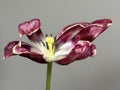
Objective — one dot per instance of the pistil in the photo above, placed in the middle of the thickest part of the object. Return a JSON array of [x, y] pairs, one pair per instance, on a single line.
[[50, 47]]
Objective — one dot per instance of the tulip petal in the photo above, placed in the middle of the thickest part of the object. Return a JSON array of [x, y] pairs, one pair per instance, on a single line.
[[81, 50], [23, 49], [94, 30], [31, 29], [36, 37], [69, 30]]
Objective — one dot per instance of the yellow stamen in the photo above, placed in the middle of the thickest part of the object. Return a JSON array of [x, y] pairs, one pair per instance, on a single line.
[[50, 46]]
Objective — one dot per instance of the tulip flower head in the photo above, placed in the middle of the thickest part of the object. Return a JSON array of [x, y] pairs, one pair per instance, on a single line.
[[72, 43]]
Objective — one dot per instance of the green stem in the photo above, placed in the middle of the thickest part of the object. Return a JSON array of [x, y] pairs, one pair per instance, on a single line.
[[48, 76]]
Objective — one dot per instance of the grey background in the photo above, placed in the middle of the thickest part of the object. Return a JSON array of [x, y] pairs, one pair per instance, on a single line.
[[99, 73]]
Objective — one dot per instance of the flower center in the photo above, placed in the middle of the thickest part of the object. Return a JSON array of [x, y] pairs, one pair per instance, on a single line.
[[50, 48]]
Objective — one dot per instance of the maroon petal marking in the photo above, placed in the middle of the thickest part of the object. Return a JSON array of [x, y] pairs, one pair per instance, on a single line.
[[36, 37], [8, 50], [69, 30], [34, 57], [23, 49], [31, 29], [82, 50], [94, 30], [88, 50]]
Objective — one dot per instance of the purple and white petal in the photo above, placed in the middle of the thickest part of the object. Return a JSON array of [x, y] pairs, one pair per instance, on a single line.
[[94, 30], [81, 50], [31, 29], [63, 50], [23, 49], [84, 50], [70, 30]]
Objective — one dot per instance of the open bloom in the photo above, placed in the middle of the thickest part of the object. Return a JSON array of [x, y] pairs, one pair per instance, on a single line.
[[72, 43]]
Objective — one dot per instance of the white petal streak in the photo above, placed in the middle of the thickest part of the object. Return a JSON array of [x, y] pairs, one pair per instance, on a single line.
[[39, 47], [77, 24], [99, 25], [67, 45], [63, 50], [82, 42], [14, 50]]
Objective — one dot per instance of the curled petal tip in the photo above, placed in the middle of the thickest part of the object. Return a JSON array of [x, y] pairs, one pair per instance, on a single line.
[[94, 53], [20, 35], [109, 24], [4, 57], [102, 22], [29, 27], [19, 44]]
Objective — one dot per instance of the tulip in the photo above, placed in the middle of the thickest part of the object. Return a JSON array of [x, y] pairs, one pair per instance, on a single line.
[[72, 43]]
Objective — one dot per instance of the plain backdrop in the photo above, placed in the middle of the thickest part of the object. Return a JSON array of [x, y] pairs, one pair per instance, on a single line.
[[99, 73]]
